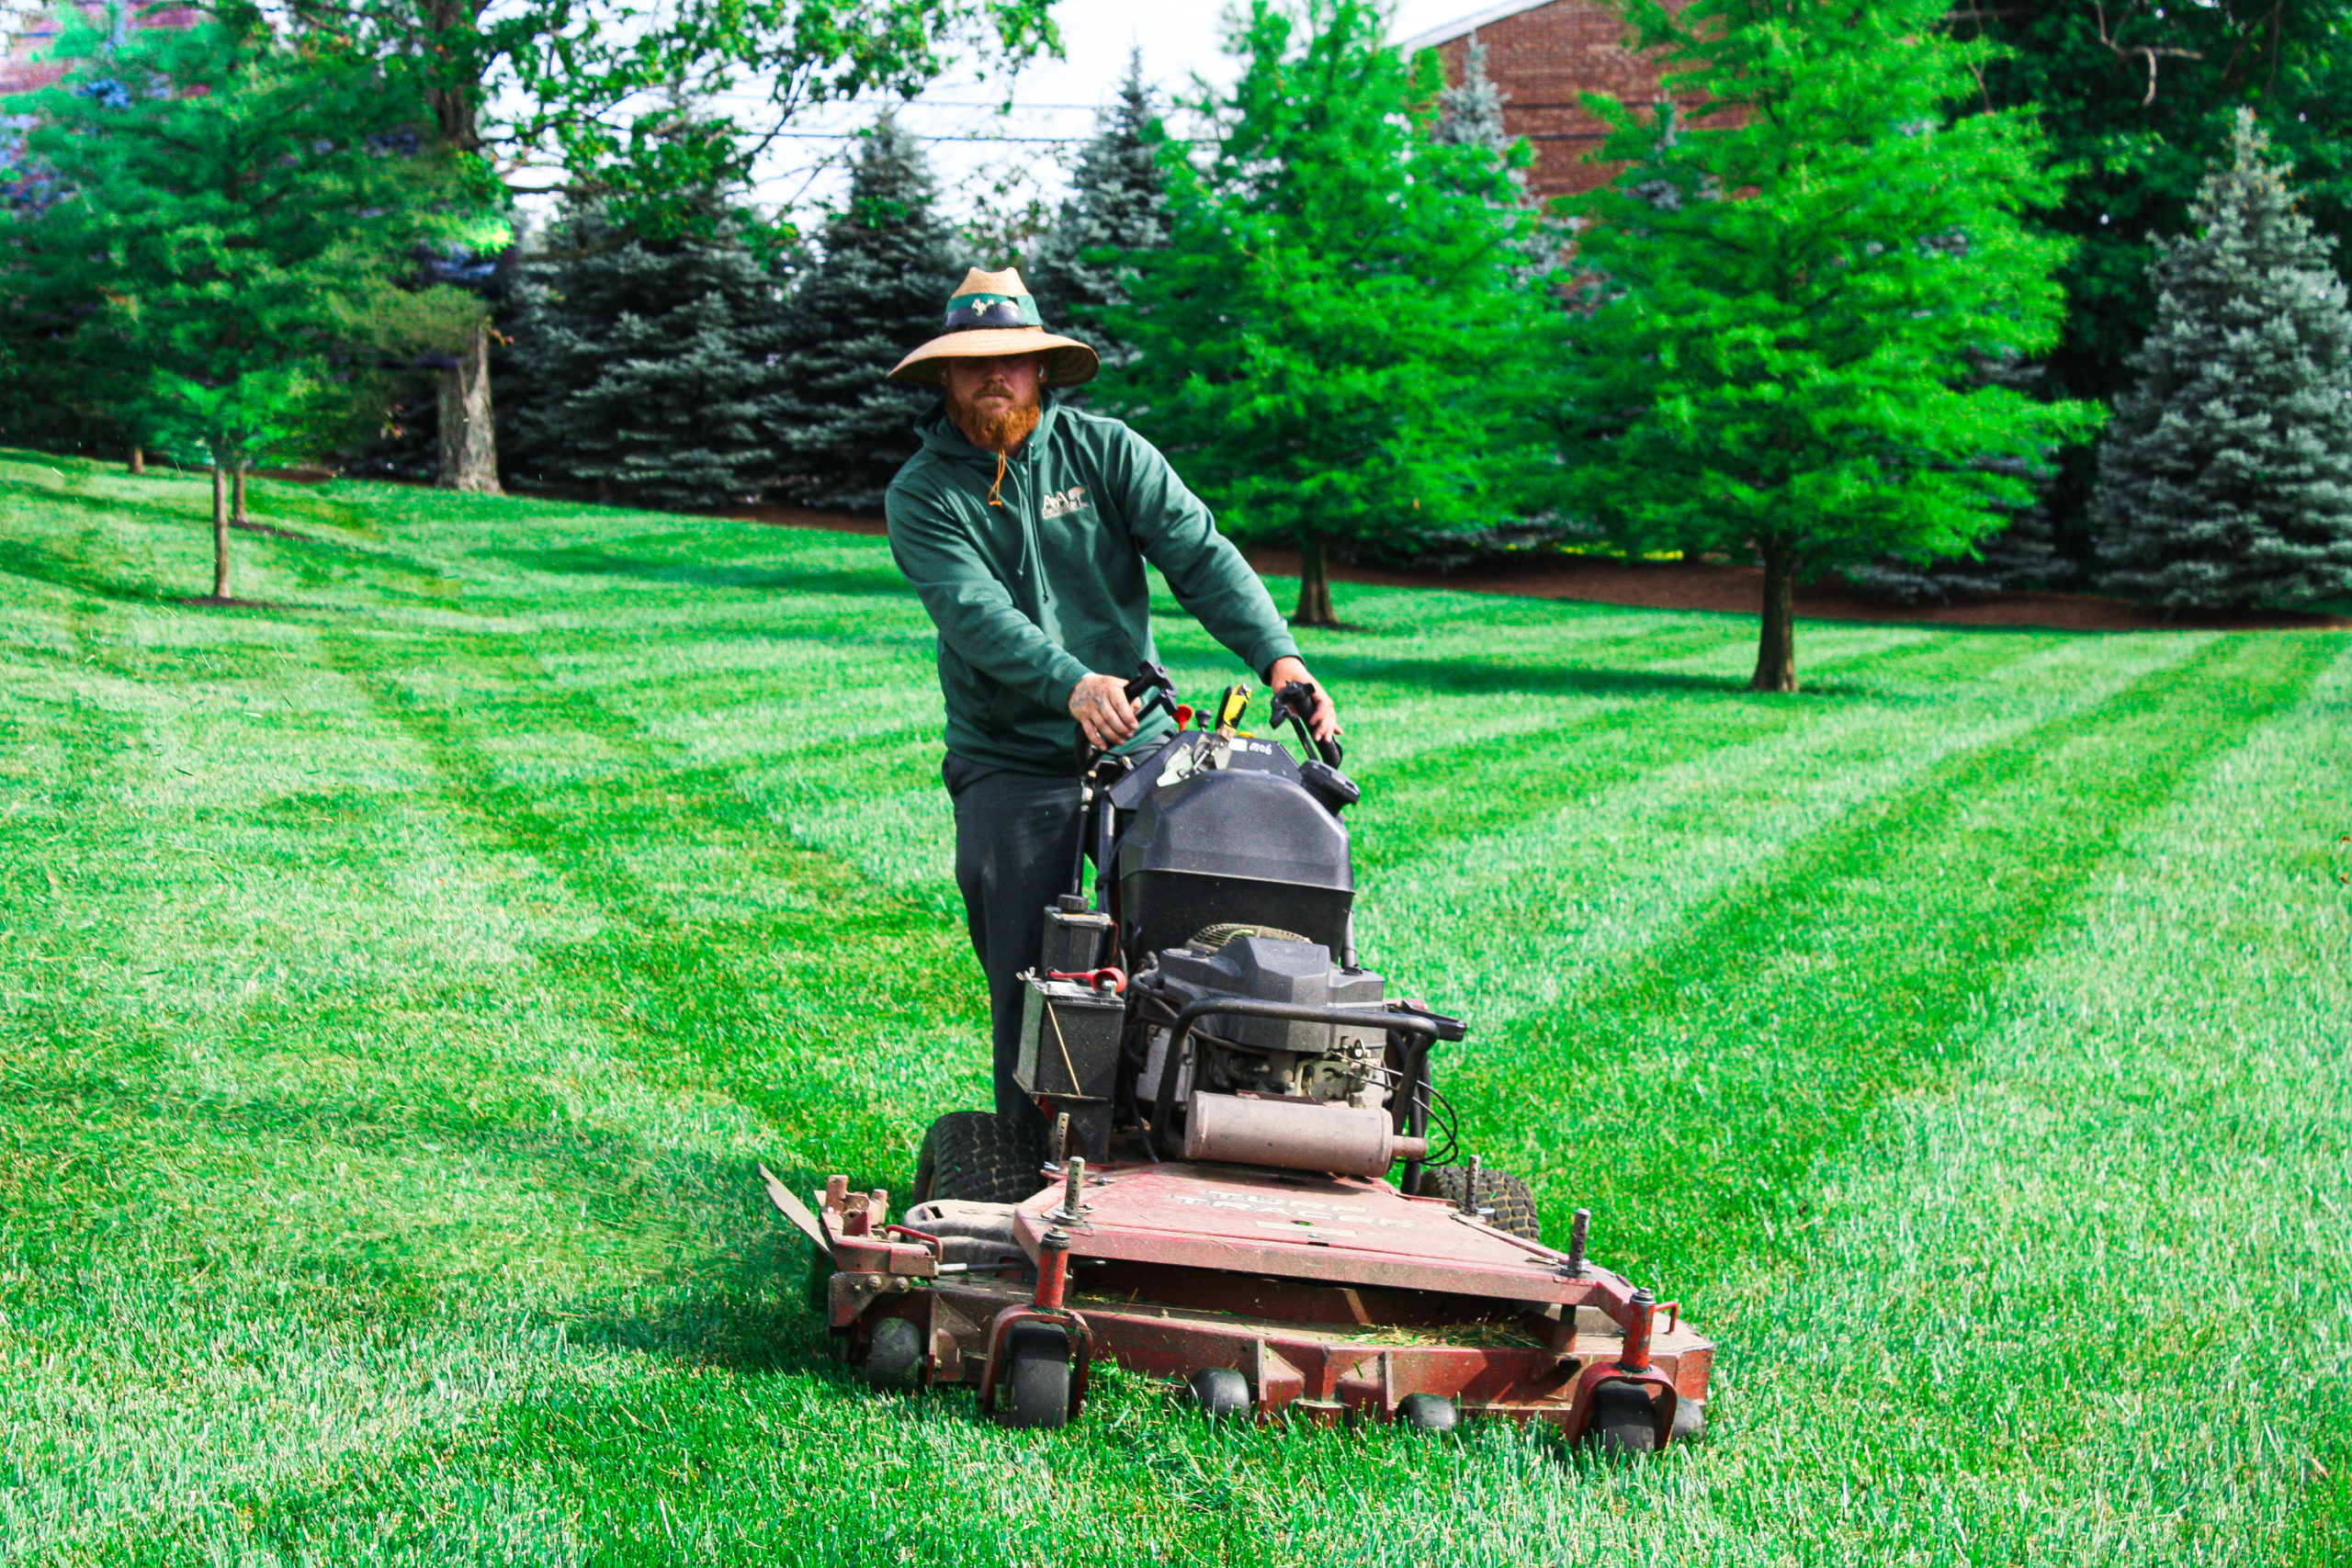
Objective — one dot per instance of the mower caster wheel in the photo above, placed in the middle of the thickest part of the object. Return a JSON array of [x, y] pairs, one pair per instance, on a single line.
[[894, 1356], [1219, 1392], [1428, 1413], [1035, 1390], [1623, 1421]]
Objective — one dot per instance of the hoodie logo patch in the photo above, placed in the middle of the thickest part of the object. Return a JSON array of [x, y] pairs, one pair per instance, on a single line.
[[1061, 504]]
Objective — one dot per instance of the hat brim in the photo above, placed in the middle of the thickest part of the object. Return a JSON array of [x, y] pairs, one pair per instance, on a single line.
[[1068, 363]]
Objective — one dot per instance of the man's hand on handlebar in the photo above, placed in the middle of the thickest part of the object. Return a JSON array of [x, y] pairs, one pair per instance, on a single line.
[[1100, 706], [1325, 720]]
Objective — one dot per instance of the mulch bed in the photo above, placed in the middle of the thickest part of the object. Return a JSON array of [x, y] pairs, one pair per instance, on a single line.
[[1731, 590], [1739, 590]]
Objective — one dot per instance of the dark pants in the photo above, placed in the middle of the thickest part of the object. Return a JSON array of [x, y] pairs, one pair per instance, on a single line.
[[1016, 835]]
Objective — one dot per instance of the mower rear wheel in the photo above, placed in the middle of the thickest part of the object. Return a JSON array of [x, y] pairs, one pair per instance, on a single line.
[[980, 1157], [1507, 1195], [894, 1356], [1035, 1390]]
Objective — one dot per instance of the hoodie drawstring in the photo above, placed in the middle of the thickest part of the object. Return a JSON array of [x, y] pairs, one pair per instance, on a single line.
[[994, 498]]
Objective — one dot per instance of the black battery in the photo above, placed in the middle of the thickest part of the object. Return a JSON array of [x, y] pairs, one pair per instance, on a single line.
[[1070, 1040]]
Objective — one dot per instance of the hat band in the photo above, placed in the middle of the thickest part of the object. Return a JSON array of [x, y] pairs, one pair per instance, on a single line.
[[968, 312]]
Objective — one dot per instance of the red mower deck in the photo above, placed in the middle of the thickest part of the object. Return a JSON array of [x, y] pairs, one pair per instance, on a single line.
[[1333, 1298]]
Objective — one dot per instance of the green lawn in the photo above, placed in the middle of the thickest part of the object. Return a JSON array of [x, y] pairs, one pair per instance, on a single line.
[[397, 984]]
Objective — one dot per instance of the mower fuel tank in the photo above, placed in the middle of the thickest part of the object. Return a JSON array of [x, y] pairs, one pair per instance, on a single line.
[[1232, 845], [1073, 939]]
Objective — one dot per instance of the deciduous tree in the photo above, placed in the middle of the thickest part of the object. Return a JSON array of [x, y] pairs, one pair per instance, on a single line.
[[1790, 288], [230, 235], [642, 111], [1334, 347]]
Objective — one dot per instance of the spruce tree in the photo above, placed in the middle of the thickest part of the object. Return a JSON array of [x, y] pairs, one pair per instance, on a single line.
[[644, 370], [1470, 113], [888, 263], [1118, 205], [2225, 480]]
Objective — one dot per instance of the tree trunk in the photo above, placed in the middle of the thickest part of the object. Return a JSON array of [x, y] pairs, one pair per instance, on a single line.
[[219, 532], [453, 102], [137, 458], [1314, 586], [468, 437], [238, 515], [1776, 643]]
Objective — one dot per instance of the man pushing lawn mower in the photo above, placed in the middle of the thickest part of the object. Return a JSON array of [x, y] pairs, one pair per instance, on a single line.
[[1200, 1093], [1024, 524]]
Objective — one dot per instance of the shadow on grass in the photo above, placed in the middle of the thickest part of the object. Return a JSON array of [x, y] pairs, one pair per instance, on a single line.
[[1482, 677], [35, 565], [836, 580]]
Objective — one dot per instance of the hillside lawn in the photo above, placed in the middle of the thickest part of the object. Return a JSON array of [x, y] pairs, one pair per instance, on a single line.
[[398, 981]]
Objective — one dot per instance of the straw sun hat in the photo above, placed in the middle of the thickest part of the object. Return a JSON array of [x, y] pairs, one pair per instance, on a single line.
[[992, 312]]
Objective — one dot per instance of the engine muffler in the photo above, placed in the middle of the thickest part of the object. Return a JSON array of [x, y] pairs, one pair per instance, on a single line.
[[1293, 1134]]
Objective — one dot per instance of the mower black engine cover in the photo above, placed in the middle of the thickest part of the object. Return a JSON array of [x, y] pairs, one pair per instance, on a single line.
[[1268, 969], [1232, 846]]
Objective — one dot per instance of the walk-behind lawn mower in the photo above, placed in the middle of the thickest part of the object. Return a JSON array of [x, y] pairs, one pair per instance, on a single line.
[[1228, 1094]]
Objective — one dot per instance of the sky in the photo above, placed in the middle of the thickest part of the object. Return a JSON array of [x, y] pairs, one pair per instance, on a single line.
[[975, 148]]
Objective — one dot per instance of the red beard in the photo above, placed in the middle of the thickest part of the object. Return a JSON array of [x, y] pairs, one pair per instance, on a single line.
[[994, 423]]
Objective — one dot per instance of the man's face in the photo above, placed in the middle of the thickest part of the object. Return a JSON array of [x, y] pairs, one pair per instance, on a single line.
[[994, 402]]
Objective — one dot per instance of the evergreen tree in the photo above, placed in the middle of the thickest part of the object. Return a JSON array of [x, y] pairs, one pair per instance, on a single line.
[[2225, 480], [1776, 359], [1470, 113], [1334, 348], [880, 287], [646, 371], [1118, 205], [2136, 97]]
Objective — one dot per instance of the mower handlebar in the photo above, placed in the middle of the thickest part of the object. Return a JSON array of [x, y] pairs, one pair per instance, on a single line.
[[1294, 701]]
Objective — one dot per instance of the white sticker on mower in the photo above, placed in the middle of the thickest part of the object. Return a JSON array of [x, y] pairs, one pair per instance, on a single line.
[[1294, 1210]]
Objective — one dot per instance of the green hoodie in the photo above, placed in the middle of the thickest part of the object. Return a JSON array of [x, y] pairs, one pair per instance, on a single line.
[[1031, 595]]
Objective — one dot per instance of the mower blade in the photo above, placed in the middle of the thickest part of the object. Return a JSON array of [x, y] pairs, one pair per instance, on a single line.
[[796, 1210]]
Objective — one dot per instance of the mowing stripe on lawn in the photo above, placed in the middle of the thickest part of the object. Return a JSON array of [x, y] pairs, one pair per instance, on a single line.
[[1697, 1089], [310, 1289], [756, 997], [1512, 923], [2090, 1301]]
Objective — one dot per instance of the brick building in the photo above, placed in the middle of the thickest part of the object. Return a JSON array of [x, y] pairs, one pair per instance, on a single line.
[[1543, 55], [27, 65]]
